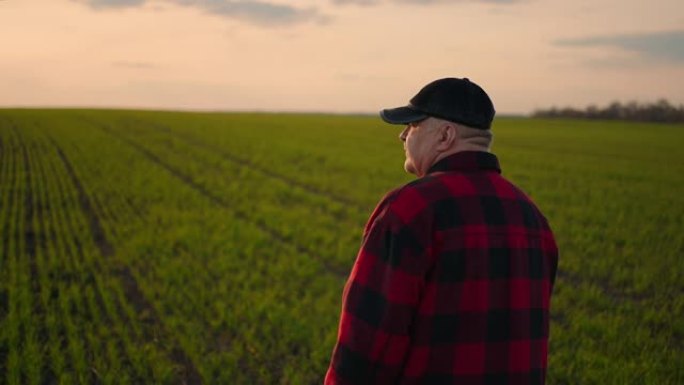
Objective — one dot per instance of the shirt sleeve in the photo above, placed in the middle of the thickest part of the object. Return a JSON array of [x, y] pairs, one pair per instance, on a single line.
[[381, 297]]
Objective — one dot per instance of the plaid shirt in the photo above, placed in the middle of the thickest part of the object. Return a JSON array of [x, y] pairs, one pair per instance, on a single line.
[[452, 284]]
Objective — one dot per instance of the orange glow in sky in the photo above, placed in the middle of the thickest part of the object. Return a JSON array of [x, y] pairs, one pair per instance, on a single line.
[[336, 55]]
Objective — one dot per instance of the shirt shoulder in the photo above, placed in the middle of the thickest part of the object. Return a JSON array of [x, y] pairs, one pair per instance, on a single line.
[[414, 199], [435, 187]]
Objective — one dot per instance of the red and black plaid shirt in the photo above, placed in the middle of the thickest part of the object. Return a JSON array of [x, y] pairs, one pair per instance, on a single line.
[[452, 284]]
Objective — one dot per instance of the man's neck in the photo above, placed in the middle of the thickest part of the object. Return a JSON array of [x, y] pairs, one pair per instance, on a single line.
[[460, 148]]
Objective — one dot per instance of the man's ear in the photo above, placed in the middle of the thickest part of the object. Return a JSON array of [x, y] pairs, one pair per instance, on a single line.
[[448, 134]]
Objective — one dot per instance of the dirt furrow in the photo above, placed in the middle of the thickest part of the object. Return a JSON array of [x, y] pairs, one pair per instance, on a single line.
[[9, 223], [74, 256], [35, 238], [188, 372]]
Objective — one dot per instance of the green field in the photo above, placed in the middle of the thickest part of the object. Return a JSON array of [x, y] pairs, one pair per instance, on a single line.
[[207, 248]]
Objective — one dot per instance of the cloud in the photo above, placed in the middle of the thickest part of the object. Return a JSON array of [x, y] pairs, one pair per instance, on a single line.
[[452, 1], [665, 46], [256, 11], [358, 2], [422, 2], [253, 11], [98, 4]]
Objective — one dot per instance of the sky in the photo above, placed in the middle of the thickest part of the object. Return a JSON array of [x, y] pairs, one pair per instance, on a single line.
[[341, 56]]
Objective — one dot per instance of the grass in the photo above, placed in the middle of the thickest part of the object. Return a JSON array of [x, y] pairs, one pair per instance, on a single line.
[[160, 247]]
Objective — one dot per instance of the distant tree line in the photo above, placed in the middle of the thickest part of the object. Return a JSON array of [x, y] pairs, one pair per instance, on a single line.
[[661, 111]]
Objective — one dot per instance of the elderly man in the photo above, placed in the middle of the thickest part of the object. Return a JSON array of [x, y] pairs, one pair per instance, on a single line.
[[453, 281]]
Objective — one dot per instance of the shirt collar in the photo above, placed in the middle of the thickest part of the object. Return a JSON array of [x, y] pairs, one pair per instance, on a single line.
[[467, 161]]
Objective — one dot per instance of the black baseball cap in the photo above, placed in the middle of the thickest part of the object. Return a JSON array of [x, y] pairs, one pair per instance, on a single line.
[[453, 99]]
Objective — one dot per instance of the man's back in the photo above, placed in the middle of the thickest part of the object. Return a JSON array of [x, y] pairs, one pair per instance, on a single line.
[[484, 312], [452, 284]]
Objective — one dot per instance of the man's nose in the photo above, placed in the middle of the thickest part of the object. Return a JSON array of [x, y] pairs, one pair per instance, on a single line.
[[402, 135]]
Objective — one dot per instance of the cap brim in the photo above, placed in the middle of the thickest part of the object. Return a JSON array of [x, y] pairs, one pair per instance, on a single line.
[[402, 115]]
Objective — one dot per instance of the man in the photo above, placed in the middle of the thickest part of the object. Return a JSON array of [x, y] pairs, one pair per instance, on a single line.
[[453, 281]]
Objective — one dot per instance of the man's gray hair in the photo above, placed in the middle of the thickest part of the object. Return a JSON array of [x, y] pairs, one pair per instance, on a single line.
[[476, 136]]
